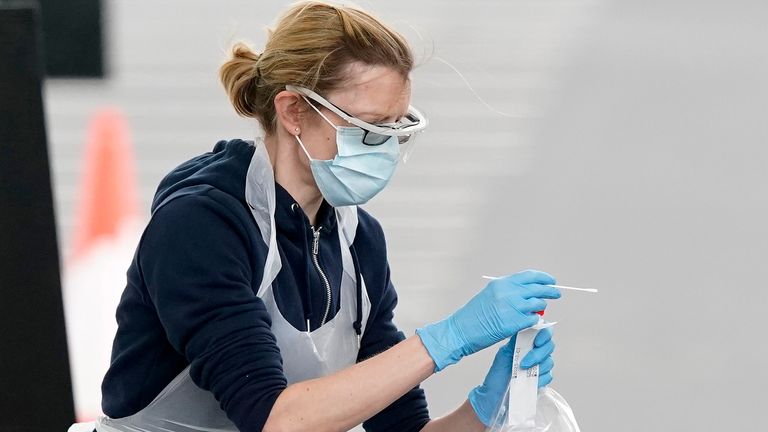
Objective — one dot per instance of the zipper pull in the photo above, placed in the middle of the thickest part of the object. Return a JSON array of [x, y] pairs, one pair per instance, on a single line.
[[316, 241]]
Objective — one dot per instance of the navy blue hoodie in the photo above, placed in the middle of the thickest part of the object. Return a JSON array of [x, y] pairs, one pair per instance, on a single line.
[[191, 296]]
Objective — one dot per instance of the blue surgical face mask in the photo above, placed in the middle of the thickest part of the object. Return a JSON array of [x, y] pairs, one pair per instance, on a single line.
[[358, 172]]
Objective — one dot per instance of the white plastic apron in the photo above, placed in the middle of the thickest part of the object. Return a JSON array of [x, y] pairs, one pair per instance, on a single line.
[[183, 407]]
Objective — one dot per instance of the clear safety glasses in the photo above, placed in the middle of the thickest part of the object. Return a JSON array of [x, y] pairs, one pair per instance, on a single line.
[[375, 134]]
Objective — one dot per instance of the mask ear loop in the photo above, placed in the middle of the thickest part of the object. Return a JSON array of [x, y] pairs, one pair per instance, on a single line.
[[320, 112], [324, 118], [301, 144]]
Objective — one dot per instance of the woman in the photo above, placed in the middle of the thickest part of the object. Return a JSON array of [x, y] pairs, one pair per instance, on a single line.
[[259, 297]]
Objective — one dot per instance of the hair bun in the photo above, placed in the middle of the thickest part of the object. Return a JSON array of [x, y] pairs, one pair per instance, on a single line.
[[239, 75], [242, 51]]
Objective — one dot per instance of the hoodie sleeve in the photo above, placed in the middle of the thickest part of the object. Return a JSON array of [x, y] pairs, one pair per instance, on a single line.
[[409, 413], [197, 261]]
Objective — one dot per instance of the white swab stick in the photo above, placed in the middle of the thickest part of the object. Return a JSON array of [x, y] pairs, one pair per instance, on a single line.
[[589, 290]]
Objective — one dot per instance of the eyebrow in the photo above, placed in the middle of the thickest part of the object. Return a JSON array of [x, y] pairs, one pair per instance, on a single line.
[[378, 117]]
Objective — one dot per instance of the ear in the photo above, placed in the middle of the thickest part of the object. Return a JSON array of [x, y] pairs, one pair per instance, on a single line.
[[289, 109]]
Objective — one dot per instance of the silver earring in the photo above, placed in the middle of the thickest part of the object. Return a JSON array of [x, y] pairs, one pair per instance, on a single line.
[[297, 130]]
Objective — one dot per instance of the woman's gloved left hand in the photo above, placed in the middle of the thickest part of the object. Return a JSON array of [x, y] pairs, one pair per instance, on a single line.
[[485, 398]]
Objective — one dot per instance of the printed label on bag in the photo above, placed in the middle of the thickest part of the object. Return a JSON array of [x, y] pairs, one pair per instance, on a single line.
[[524, 383]]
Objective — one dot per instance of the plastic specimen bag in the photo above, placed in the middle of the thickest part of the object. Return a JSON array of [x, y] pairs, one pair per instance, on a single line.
[[553, 414]]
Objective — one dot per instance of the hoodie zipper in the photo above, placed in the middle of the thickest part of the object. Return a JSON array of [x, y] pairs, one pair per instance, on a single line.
[[315, 250]]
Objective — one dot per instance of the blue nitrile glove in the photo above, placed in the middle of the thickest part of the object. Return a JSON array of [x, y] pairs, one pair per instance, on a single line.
[[504, 307], [485, 398]]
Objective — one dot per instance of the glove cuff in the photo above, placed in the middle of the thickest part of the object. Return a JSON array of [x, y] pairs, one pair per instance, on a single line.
[[478, 398], [439, 343]]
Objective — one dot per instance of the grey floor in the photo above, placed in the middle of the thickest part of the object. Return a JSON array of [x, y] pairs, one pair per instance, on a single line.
[[617, 145]]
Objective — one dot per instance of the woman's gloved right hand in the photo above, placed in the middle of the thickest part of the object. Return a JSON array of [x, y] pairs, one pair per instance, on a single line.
[[504, 307]]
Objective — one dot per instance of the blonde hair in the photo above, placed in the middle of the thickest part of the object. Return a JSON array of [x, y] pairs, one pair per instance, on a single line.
[[309, 47]]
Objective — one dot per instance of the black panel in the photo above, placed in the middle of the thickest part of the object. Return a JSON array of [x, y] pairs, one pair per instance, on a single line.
[[72, 36], [36, 391]]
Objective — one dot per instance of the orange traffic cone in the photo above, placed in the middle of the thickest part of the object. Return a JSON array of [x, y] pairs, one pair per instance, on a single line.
[[108, 189], [107, 229]]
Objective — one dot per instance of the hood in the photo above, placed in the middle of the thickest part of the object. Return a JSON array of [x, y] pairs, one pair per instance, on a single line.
[[223, 168]]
